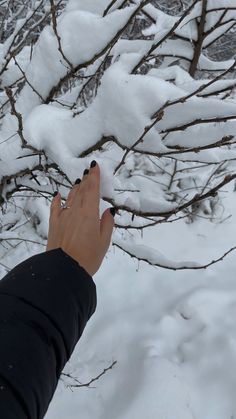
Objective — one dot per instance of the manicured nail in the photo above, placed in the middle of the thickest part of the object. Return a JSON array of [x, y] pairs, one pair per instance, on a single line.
[[55, 194], [113, 211], [77, 181], [86, 171], [93, 163]]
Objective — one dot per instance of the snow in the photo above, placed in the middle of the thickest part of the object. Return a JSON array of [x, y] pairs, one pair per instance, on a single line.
[[125, 97], [174, 72], [175, 48], [106, 112], [92, 6], [14, 73], [153, 256], [186, 28], [218, 32], [139, 46], [212, 4], [171, 332], [79, 30]]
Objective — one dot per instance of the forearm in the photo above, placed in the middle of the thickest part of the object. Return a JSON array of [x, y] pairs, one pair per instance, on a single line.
[[45, 303]]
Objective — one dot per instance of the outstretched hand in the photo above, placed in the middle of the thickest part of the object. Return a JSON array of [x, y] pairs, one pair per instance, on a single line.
[[78, 230]]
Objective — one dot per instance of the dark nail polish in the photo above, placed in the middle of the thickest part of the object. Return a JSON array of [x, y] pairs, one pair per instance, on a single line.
[[113, 211], [93, 164], [55, 194], [86, 171], [77, 181]]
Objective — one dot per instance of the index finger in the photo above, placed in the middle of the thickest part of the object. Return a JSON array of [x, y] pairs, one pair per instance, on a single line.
[[90, 189]]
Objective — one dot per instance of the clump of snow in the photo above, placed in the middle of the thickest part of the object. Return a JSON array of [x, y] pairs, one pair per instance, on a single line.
[[92, 6], [83, 34]]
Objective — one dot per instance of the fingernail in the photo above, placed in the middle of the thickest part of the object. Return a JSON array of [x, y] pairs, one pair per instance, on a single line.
[[55, 194], [77, 181], [93, 163], [113, 211], [86, 171]]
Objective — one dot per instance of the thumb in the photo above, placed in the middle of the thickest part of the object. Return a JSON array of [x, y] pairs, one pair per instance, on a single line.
[[55, 205], [106, 227]]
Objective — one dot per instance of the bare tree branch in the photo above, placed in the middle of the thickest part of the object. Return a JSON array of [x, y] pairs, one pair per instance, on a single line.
[[172, 268], [54, 25], [27, 81], [197, 198], [112, 42], [198, 121], [201, 37], [88, 384], [109, 7], [168, 34]]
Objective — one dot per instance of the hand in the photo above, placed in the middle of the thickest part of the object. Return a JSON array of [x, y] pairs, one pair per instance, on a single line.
[[78, 229]]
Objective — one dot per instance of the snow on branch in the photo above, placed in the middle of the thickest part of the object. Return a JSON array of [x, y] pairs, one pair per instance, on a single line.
[[125, 83], [155, 258]]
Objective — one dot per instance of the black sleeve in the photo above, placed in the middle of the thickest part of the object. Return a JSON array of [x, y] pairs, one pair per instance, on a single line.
[[45, 303]]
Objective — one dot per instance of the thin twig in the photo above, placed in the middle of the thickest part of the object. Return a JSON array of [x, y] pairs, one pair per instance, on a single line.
[[65, 78], [27, 81], [92, 380], [54, 25], [166, 36], [172, 268]]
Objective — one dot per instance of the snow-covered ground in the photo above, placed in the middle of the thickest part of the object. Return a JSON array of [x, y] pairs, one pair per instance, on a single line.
[[173, 334]]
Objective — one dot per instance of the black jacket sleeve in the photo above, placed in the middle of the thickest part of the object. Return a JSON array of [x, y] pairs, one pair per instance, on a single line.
[[45, 303]]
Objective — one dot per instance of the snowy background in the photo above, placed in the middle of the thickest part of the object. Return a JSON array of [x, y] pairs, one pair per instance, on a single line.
[[146, 88], [172, 334]]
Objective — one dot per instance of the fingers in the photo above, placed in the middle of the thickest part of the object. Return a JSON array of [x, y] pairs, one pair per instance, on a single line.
[[86, 191], [76, 187], [55, 206], [106, 229], [89, 190], [73, 191]]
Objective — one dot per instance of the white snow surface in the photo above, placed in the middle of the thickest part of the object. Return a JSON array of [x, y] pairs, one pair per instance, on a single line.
[[96, 7], [172, 334], [83, 34]]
